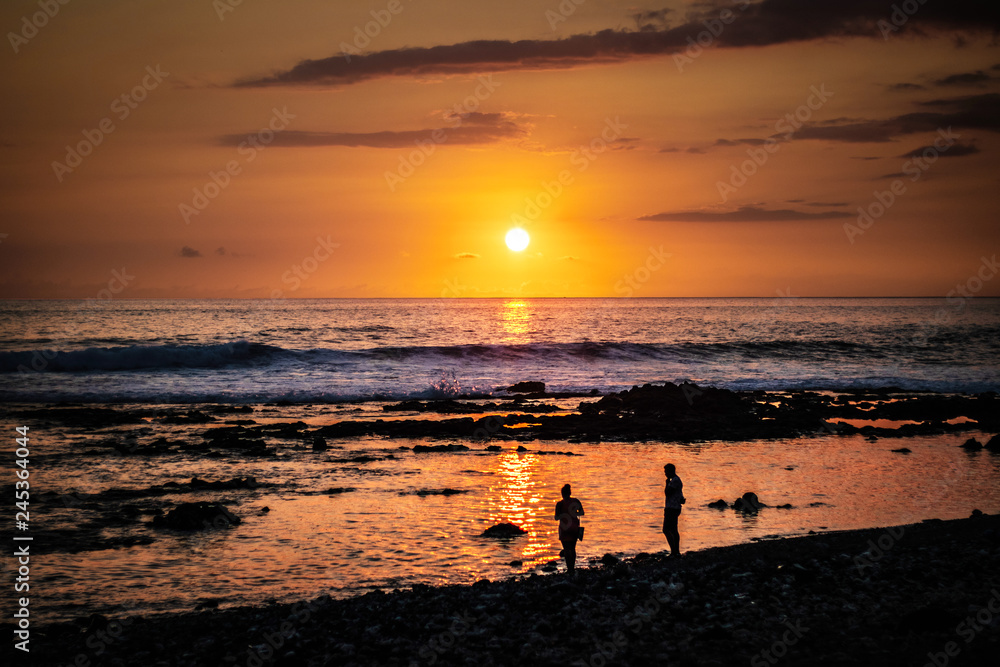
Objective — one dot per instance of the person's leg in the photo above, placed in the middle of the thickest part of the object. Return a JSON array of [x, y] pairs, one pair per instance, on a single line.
[[569, 553], [671, 532]]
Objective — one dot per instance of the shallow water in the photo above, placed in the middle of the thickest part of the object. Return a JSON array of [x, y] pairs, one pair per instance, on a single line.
[[382, 535]]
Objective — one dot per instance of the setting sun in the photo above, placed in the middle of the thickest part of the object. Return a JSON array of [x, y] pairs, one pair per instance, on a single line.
[[517, 239]]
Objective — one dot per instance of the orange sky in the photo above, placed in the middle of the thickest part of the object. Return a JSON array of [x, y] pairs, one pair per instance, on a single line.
[[327, 206]]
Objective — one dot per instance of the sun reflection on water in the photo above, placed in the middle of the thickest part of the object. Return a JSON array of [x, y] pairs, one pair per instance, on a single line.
[[515, 321], [514, 498]]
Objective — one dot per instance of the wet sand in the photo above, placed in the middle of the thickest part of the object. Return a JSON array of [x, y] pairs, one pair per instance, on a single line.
[[905, 595]]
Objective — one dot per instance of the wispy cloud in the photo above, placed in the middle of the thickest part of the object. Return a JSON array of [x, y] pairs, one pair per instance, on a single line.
[[188, 251], [467, 129], [744, 214]]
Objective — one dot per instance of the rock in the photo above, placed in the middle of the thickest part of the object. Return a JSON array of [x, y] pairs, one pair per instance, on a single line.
[[994, 444], [436, 492], [319, 444], [903, 450], [786, 506], [607, 560], [333, 490], [516, 563], [521, 448], [503, 530], [493, 448], [197, 516], [527, 388], [417, 449], [748, 503], [972, 445], [719, 504]]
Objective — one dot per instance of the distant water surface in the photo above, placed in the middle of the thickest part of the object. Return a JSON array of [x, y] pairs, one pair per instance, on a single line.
[[192, 351]]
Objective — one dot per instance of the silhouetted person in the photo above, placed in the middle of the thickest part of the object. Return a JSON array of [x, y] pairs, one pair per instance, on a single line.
[[673, 499], [568, 513]]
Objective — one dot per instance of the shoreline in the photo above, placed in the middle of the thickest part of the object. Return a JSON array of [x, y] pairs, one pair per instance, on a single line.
[[881, 595]]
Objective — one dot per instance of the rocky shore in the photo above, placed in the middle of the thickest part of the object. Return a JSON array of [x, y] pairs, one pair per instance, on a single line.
[[927, 593]]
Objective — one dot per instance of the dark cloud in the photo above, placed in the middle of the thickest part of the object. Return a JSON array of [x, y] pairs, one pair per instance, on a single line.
[[465, 129], [828, 204], [744, 214], [955, 150], [759, 24], [964, 79], [188, 251], [906, 86], [221, 251], [652, 19], [978, 112]]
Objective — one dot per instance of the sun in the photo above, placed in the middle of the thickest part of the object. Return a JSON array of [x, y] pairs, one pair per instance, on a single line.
[[517, 239]]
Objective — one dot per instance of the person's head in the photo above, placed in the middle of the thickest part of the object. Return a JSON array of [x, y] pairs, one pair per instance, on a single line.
[[669, 470], [566, 490]]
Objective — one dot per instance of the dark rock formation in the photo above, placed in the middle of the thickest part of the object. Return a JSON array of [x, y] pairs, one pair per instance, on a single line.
[[439, 448], [504, 530], [527, 388], [197, 516]]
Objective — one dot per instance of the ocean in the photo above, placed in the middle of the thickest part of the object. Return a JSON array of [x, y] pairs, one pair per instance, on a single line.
[[108, 391], [337, 350]]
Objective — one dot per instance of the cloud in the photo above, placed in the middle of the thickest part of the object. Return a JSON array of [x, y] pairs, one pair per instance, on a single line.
[[827, 204], [652, 19], [905, 86], [955, 150], [221, 251], [465, 129], [188, 251], [759, 24], [568, 258], [964, 79], [466, 255], [744, 214], [979, 112]]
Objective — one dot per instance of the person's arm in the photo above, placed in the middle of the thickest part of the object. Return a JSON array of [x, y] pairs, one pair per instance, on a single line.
[[579, 508]]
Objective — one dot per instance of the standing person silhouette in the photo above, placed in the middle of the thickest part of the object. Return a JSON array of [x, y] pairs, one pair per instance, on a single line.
[[568, 513], [673, 492]]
